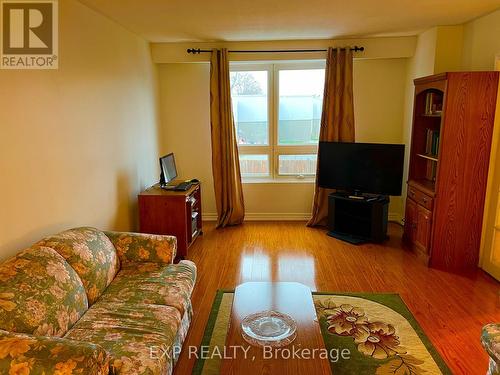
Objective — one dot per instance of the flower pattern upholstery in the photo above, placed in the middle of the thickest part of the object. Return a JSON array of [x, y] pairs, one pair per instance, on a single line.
[[490, 339], [91, 254], [22, 354], [138, 337], [40, 293], [139, 314], [142, 315], [136, 247], [154, 283]]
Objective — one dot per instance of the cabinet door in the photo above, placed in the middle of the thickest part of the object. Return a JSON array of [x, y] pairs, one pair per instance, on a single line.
[[410, 221], [423, 229]]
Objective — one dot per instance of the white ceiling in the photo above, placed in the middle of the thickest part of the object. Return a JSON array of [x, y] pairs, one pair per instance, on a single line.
[[236, 20]]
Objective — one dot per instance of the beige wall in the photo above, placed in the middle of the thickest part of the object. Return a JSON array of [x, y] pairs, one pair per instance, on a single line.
[[379, 86], [420, 65], [481, 49], [78, 143], [449, 48], [481, 42], [375, 48], [472, 46]]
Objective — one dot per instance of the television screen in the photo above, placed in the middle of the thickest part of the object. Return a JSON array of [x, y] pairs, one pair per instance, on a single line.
[[168, 169], [363, 167]]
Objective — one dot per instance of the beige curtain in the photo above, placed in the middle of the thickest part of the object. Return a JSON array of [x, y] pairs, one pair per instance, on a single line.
[[337, 119], [225, 159]]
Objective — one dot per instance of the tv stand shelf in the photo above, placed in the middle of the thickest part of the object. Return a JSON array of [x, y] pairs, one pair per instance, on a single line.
[[357, 220]]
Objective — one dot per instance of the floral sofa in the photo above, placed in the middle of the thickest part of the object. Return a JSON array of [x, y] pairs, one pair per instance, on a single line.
[[91, 302], [490, 339]]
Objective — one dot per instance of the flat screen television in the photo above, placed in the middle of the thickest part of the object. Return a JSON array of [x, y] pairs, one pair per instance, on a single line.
[[167, 168], [361, 167]]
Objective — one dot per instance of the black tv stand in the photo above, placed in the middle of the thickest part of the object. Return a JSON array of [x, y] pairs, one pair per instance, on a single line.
[[358, 218]]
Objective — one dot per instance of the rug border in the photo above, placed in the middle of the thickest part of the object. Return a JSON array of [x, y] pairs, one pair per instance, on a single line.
[[209, 328], [207, 335]]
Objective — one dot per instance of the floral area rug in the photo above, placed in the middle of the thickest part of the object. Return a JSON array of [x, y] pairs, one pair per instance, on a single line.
[[364, 334]]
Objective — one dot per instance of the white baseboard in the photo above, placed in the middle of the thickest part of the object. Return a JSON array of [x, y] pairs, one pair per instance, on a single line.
[[396, 217], [209, 216], [284, 216], [265, 216]]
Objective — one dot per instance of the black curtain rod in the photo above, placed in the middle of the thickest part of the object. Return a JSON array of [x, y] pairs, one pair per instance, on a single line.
[[195, 51]]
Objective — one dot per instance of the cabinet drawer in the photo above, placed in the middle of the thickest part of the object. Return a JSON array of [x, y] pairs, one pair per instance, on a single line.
[[421, 198]]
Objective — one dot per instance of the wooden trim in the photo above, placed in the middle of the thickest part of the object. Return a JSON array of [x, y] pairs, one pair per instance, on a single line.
[[434, 85], [423, 186], [434, 78]]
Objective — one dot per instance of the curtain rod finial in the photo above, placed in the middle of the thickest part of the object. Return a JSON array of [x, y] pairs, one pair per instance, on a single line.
[[194, 51]]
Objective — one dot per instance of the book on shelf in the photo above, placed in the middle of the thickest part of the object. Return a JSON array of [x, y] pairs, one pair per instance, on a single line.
[[431, 171], [432, 150], [432, 142], [433, 103]]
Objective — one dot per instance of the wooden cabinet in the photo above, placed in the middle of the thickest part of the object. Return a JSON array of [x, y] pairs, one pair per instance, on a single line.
[[410, 221], [176, 213], [449, 158], [423, 229], [418, 227]]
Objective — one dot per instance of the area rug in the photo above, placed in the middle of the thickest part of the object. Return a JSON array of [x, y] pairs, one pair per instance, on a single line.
[[364, 334]]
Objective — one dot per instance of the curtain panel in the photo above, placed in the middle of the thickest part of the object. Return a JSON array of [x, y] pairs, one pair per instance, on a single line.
[[337, 118], [225, 158]]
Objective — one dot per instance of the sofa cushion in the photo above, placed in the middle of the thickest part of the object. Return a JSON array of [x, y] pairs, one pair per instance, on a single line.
[[40, 293], [154, 283], [22, 354], [142, 247], [91, 254], [138, 337]]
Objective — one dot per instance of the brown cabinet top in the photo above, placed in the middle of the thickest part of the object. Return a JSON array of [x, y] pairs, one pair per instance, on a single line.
[[157, 190]]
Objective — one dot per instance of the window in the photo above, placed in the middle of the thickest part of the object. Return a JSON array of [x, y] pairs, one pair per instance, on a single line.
[[250, 107], [277, 113]]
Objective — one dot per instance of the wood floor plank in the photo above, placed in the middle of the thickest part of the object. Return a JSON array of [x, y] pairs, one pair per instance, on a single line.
[[451, 309]]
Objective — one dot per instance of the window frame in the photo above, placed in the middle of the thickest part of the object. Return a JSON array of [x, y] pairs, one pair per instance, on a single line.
[[273, 149]]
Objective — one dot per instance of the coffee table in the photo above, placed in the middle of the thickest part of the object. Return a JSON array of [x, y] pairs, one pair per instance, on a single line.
[[290, 298]]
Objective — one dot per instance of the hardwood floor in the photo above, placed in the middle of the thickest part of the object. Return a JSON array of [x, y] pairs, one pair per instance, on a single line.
[[451, 309]]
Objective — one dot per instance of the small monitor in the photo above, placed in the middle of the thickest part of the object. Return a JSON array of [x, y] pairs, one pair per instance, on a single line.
[[168, 169]]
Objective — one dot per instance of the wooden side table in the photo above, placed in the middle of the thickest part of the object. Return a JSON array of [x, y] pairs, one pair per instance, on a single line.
[[176, 213]]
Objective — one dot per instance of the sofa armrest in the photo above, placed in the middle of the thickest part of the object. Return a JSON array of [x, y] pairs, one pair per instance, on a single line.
[[26, 354], [490, 338], [139, 247]]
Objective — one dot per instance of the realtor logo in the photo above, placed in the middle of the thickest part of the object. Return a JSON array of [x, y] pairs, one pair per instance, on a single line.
[[29, 34]]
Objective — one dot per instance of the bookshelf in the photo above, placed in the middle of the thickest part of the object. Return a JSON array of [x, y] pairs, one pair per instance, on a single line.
[[429, 157], [427, 134], [449, 158]]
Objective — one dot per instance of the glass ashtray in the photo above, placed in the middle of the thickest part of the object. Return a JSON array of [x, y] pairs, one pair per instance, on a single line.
[[269, 328]]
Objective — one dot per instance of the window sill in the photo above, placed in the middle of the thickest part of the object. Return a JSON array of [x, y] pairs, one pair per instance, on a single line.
[[251, 181]]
